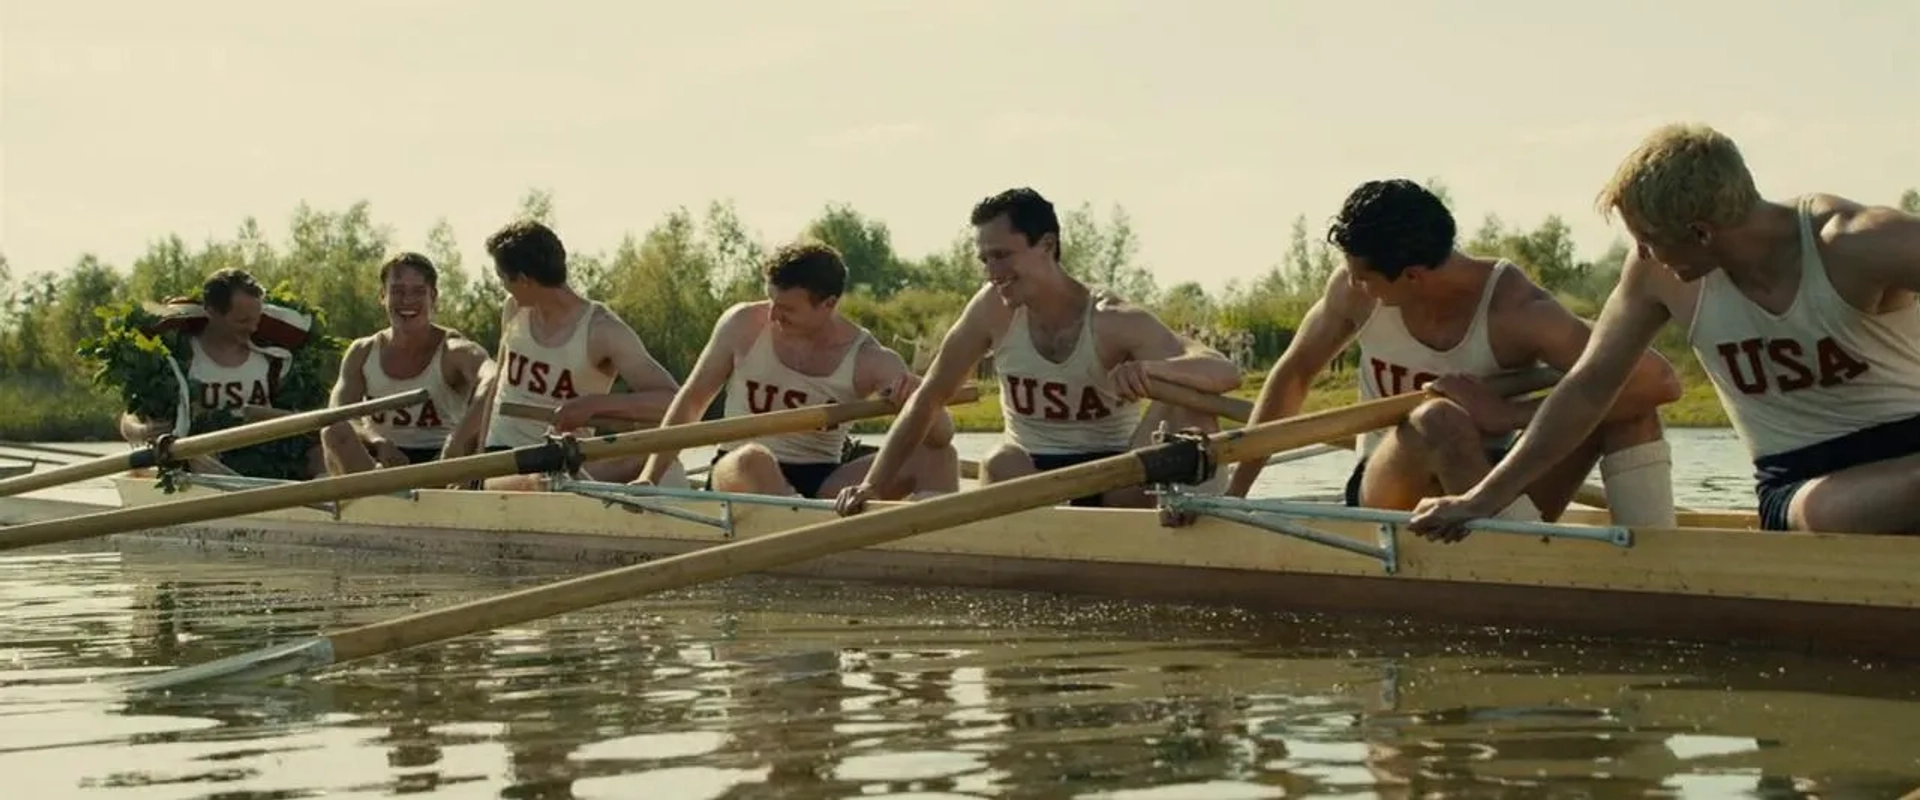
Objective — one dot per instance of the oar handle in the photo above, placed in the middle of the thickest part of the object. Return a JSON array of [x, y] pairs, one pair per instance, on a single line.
[[1219, 405], [847, 412], [537, 413], [1257, 441], [206, 444], [267, 430]]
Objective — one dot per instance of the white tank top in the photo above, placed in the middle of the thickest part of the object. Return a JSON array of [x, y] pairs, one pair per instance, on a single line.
[[1060, 409], [1393, 362], [224, 387], [1819, 371], [423, 426], [535, 374], [761, 383]]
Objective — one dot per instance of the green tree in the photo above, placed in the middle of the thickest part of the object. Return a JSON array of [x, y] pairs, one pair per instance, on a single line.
[[865, 244], [1910, 201]]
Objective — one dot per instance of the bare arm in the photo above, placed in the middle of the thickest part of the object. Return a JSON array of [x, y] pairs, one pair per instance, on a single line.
[[1627, 326], [878, 368], [953, 364], [351, 385], [709, 377], [1328, 327], [468, 362], [1885, 243], [650, 387], [1168, 357], [1562, 337]]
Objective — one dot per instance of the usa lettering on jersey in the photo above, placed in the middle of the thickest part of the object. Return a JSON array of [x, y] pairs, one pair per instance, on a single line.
[[761, 398], [1758, 364], [233, 394], [427, 416], [1054, 400], [1391, 379], [537, 377]]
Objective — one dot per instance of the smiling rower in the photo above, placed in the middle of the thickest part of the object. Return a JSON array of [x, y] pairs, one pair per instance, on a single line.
[[410, 353]]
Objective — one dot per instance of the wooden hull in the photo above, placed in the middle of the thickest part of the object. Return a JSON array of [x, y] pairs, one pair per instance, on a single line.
[[1819, 593]]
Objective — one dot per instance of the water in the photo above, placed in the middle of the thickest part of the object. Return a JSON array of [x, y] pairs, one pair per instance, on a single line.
[[762, 688]]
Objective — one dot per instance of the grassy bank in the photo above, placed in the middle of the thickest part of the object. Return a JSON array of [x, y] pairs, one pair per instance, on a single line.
[[49, 411]]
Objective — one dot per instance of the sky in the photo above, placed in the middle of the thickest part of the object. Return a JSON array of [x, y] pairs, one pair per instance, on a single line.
[[1214, 123]]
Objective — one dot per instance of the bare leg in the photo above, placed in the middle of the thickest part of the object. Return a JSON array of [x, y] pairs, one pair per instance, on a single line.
[[929, 470], [1006, 462], [750, 469], [620, 470], [1438, 448], [343, 451], [1870, 498]]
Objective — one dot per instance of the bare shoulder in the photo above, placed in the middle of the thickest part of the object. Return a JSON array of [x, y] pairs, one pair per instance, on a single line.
[[1647, 282], [1515, 290], [985, 317], [1875, 237], [357, 350], [1110, 310]]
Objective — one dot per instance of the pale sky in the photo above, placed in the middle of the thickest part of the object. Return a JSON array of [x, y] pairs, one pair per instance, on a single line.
[[1213, 122]]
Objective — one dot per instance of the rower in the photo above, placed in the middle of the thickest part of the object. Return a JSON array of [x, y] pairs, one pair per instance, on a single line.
[[561, 351], [425, 356], [796, 349], [227, 371], [1800, 311], [1425, 313], [1073, 365]]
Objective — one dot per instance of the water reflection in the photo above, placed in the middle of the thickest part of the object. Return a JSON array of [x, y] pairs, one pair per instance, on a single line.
[[764, 688]]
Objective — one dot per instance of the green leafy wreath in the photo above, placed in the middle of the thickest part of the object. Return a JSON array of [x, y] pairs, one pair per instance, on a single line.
[[130, 357]]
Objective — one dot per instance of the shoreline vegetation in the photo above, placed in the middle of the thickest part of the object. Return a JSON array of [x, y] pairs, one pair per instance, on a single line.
[[673, 281]]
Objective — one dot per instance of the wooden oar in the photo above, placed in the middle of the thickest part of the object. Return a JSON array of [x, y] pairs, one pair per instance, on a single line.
[[530, 411], [207, 444], [1239, 410], [563, 454], [1172, 462]]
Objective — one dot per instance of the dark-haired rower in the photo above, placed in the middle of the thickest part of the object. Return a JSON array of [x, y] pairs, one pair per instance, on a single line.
[[792, 350], [1073, 363], [1425, 313], [562, 351], [410, 353]]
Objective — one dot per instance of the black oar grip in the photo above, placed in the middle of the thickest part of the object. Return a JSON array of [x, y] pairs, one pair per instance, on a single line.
[[1182, 457], [559, 454]]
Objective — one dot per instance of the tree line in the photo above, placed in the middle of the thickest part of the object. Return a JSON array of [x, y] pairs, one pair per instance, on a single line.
[[672, 282]]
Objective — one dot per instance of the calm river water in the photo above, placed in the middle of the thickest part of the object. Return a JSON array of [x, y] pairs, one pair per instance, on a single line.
[[775, 688]]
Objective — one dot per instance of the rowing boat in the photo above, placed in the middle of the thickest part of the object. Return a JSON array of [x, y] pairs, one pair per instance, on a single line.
[[1714, 579]]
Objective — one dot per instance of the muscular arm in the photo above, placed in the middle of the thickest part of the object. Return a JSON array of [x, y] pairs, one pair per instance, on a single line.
[[877, 368], [650, 387], [953, 364], [467, 362], [351, 385], [709, 377], [1560, 338], [1627, 326], [1170, 358], [1882, 242], [1328, 327]]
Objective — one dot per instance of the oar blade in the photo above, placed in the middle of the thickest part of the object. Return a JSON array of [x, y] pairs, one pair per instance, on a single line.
[[267, 662]]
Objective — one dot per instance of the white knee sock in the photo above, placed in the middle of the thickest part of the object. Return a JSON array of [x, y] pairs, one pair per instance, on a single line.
[[1639, 483]]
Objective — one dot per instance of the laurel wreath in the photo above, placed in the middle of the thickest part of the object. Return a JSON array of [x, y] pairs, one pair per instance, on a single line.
[[129, 360]]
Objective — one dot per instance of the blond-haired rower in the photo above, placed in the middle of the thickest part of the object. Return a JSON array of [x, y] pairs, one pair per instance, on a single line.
[[1802, 313]]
